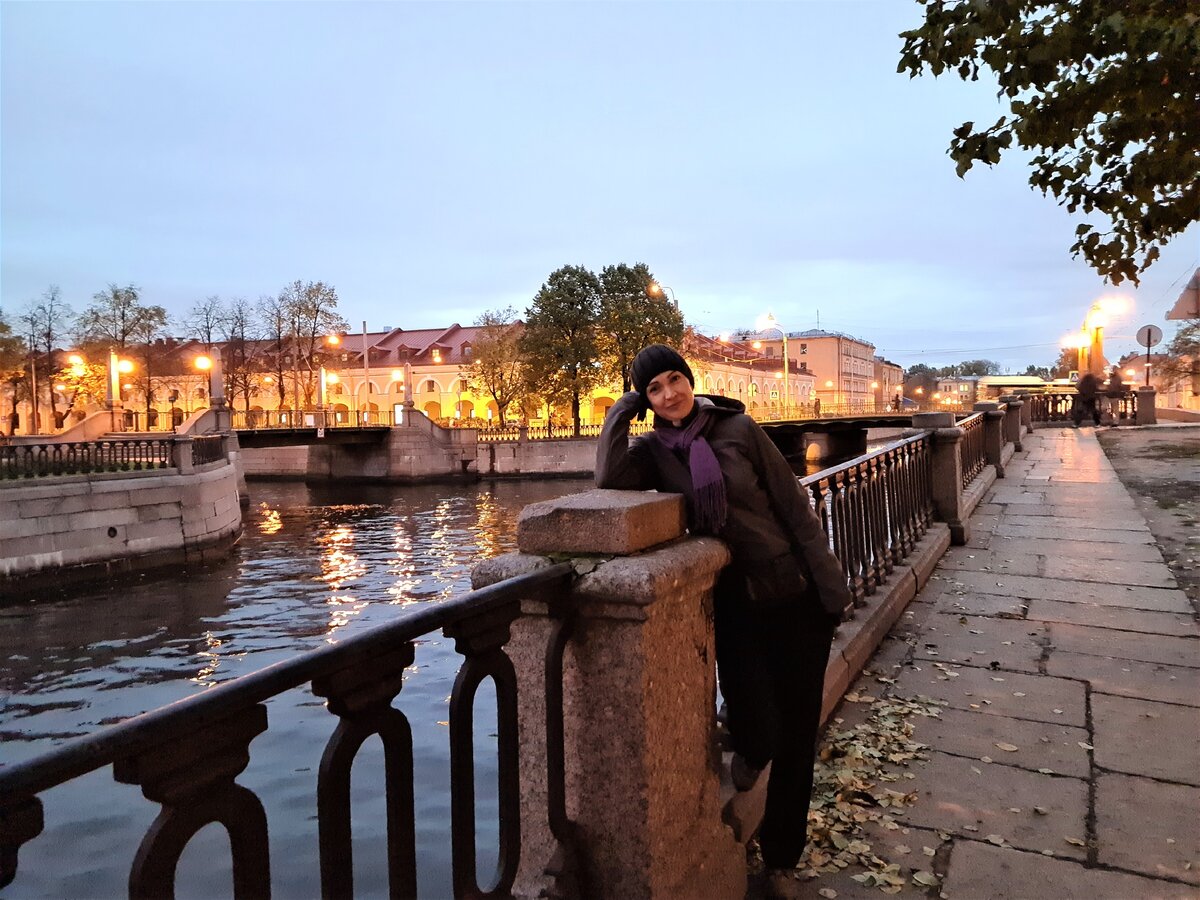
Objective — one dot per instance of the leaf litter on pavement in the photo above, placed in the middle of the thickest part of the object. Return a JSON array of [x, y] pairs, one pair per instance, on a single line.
[[851, 791]]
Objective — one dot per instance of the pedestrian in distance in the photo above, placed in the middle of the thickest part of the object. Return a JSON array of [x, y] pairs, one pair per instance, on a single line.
[[776, 605], [1114, 393], [1087, 393]]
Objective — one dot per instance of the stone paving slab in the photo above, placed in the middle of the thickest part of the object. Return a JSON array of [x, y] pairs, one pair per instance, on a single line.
[[969, 798], [1040, 745], [992, 561], [1110, 571], [1131, 736], [984, 641], [1051, 532], [1015, 495], [1026, 587], [1075, 523], [1171, 651], [1098, 510], [1147, 826], [947, 599], [1132, 620], [979, 871], [1129, 678], [1013, 694], [1083, 550]]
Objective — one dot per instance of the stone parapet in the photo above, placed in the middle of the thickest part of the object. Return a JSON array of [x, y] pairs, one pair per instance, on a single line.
[[89, 525], [639, 689]]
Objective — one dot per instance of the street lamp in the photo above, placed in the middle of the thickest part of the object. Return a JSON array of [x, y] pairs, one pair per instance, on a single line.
[[771, 322], [654, 289]]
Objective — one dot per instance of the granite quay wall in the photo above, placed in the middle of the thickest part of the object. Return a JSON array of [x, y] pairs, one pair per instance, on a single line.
[[83, 526]]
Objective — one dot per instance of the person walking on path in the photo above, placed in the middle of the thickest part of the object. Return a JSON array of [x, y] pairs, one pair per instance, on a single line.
[[1114, 393], [1086, 394], [775, 607]]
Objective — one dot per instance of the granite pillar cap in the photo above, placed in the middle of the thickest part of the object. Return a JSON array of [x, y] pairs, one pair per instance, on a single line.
[[601, 523]]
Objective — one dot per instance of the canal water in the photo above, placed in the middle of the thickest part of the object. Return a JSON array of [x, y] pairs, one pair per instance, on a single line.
[[315, 565]]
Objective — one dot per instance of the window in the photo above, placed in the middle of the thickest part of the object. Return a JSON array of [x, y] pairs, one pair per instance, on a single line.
[[770, 352], [430, 386], [466, 351], [804, 349]]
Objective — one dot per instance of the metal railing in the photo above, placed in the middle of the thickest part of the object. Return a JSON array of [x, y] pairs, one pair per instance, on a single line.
[[1059, 406], [310, 418], [58, 458], [828, 411], [187, 756], [513, 433], [972, 451], [207, 448], [875, 508]]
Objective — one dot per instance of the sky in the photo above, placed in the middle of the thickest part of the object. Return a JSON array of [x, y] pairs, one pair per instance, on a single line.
[[436, 160]]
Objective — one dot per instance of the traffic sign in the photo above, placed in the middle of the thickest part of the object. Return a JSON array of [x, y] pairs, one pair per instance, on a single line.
[[1149, 335]]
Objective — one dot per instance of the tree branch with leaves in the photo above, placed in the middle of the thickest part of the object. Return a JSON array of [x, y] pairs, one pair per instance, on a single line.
[[1105, 96]]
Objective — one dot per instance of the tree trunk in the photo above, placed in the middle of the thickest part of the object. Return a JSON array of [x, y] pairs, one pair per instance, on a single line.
[[575, 410]]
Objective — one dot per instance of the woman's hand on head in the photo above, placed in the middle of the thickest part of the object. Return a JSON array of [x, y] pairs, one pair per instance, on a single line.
[[632, 403]]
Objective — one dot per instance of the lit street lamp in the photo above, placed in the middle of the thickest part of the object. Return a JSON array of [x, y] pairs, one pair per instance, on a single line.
[[654, 289], [769, 321]]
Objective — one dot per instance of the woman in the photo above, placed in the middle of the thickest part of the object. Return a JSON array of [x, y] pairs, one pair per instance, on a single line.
[[776, 605]]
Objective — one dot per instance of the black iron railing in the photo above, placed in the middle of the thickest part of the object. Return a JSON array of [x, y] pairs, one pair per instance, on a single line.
[[187, 756], [257, 419], [207, 448], [875, 508], [972, 451], [57, 458]]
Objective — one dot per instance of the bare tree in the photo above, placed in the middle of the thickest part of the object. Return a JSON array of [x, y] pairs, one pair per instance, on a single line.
[[242, 350], [44, 322], [206, 320]]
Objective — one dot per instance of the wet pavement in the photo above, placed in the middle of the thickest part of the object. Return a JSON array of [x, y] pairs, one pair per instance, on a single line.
[[1064, 662]]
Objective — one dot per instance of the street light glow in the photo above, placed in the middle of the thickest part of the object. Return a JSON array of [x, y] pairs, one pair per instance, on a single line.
[[397, 374], [331, 378], [75, 359], [203, 363], [124, 366], [333, 340]]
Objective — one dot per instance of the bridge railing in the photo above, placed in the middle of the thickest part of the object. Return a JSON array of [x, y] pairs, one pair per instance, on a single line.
[[514, 433], [972, 451], [1057, 406], [875, 509], [310, 418]]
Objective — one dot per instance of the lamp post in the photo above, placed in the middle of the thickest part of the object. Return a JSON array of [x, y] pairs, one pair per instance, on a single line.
[[654, 289], [771, 322]]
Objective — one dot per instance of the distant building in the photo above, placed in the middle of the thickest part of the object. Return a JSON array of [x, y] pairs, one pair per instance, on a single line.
[[887, 383], [740, 370], [842, 365], [956, 392]]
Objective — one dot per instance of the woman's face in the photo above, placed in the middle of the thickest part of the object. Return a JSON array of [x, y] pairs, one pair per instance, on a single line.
[[670, 395]]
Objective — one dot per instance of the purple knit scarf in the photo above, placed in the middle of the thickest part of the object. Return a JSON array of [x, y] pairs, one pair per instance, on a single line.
[[708, 504]]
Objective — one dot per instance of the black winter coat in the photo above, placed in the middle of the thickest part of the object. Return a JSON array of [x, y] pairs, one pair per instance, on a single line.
[[768, 516]]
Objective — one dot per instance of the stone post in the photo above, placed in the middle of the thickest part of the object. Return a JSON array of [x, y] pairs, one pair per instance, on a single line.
[[642, 768], [1026, 414], [947, 472], [993, 434], [181, 450], [1012, 420], [1146, 414]]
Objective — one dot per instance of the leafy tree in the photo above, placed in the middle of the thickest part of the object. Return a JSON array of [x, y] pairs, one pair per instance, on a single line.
[[631, 318], [559, 343], [241, 358], [84, 381], [1067, 362], [312, 314], [920, 376], [276, 330], [497, 367], [1181, 359], [13, 354], [979, 367], [1041, 372], [118, 317], [44, 322], [1103, 93]]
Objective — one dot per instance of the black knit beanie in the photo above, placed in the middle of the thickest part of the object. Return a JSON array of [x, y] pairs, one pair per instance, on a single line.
[[653, 361]]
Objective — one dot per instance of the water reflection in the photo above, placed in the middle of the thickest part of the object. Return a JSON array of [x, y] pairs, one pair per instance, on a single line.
[[315, 564]]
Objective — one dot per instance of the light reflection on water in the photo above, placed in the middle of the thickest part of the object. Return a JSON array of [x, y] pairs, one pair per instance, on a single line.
[[316, 564]]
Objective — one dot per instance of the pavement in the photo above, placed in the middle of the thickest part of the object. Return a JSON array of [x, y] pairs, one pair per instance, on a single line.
[[1064, 664]]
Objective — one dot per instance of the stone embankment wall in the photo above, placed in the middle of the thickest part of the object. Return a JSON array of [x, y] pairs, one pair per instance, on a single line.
[[89, 525]]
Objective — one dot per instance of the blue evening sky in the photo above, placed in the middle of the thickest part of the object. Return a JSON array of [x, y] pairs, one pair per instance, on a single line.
[[433, 160]]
